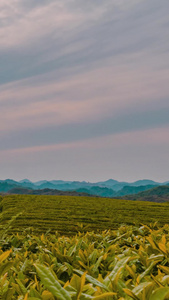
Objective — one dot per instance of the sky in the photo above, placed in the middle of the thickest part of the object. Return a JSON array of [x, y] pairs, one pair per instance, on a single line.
[[84, 89]]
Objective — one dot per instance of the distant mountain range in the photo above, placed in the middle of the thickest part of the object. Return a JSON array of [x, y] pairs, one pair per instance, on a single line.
[[110, 188], [27, 191]]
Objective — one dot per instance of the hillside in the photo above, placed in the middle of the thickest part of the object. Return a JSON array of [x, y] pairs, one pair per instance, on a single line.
[[98, 191], [157, 194], [27, 191], [66, 213], [107, 192], [5, 186], [128, 190]]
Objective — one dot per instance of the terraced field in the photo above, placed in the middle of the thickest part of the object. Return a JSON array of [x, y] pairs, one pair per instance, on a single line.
[[68, 215]]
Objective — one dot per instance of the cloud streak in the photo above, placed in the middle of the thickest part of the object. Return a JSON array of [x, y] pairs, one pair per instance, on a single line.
[[158, 135], [73, 71], [100, 156], [82, 99]]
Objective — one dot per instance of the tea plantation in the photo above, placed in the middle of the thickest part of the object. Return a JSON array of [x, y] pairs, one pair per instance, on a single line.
[[77, 260], [68, 215]]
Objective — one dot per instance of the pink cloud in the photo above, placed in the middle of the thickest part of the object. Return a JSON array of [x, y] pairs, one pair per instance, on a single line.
[[143, 138], [94, 95]]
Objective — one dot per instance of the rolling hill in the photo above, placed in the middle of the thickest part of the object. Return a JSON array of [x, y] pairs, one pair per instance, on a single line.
[[67, 214], [156, 194], [26, 191]]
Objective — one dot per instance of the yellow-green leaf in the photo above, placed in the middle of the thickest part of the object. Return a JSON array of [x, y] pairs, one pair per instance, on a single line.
[[93, 280], [51, 283], [160, 294], [131, 294], [4, 255], [103, 296]]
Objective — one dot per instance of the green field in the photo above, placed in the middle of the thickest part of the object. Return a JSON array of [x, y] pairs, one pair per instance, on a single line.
[[67, 214], [127, 263]]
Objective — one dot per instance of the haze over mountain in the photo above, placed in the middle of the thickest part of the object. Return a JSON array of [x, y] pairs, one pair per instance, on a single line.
[[109, 188]]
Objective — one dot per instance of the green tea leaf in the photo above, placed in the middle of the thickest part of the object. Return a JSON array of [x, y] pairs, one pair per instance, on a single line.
[[51, 283], [119, 265], [160, 294], [103, 296], [93, 280]]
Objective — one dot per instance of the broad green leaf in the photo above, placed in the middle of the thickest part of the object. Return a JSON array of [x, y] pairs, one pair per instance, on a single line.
[[138, 289], [8, 295], [33, 298], [162, 248], [93, 280], [156, 257], [119, 266], [160, 294], [103, 296], [4, 255], [77, 283], [164, 269], [22, 287], [148, 270], [82, 282], [51, 283], [34, 293], [46, 295], [97, 264], [5, 267], [120, 286], [131, 294], [85, 297], [152, 243], [71, 250], [165, 279]]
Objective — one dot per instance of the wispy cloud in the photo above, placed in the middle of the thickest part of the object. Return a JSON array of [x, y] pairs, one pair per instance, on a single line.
[[125, 155], [59, 35], [84, 98], [75, 70], [147, 137]]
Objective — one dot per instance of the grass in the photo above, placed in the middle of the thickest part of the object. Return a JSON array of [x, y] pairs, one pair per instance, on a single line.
[[68, 215]]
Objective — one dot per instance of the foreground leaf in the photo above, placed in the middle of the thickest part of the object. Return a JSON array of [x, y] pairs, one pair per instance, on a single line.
[[160, 294], [51, 283], [131, 294], [93, 280], [103, 296], [118, 268], [5, 255]]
